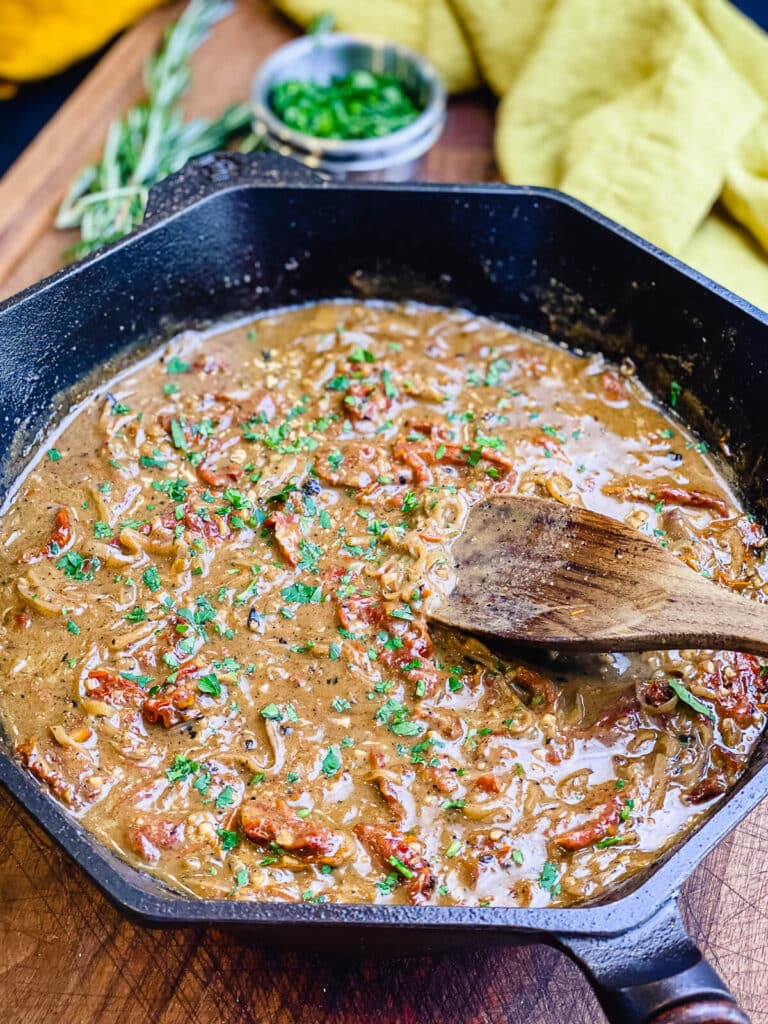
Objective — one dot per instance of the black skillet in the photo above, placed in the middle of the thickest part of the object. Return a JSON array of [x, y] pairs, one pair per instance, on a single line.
[[230, 235]]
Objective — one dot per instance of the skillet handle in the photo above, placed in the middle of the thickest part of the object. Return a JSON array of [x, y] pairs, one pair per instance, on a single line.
[[217, 172], [654, 974], [702, 1011]]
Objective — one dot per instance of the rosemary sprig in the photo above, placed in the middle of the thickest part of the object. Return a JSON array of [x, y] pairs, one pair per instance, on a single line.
[[107, 200]]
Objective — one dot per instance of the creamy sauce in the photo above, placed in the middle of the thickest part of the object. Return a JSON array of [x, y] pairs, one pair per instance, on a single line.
[[214, 648]]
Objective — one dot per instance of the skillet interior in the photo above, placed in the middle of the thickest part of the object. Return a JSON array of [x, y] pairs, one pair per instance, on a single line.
[[528, 257]]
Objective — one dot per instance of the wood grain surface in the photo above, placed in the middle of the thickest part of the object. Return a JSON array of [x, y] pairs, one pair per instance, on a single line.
[[65, 954]]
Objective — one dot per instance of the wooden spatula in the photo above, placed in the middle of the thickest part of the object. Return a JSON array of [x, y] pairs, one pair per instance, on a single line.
[[543, 574]]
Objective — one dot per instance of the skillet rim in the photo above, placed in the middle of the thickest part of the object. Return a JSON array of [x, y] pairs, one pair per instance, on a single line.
[[195, 185]]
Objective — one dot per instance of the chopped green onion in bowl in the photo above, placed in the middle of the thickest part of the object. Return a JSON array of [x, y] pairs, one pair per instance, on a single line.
[[359, 105]]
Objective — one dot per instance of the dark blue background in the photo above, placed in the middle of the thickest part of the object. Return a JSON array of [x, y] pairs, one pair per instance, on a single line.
[[22, 117]]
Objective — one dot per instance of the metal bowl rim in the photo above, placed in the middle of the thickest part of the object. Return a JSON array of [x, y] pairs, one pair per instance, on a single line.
[[422, 129]]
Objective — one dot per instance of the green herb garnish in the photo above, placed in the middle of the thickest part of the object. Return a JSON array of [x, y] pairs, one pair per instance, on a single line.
[[229, 840], [548, 879], [151, 578], [359, 105], [685, 695], [181, 768], [331, 762]]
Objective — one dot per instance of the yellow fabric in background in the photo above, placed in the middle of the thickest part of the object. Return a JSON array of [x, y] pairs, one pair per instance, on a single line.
[[429, 26], [40, 37], [652, 111]]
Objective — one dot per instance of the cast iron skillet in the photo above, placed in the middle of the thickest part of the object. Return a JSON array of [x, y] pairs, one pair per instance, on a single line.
[[230, 235]]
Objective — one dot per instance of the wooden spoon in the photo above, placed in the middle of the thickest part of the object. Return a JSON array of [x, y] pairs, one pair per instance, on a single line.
[[548, 575]]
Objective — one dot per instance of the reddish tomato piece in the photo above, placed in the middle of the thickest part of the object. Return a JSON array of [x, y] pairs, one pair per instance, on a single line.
[[61, 536], [420, 455], [726, 759], [443, 778], [737, 696], [42, 769], [266, 823], [110, 687], [148, 838], [171, 708], [221, 476], [285, 526], [605, 824], [657, 693], [542, 690], [415, 658], [652, 493], [356, 613], [488, 783], [626, 707], [751, 532], [612, 387], [710, 786], [23, 619], [365, 401], [433, 452], [434, 429], [414, 457], [399, 853], [256, 406], [209, 529]]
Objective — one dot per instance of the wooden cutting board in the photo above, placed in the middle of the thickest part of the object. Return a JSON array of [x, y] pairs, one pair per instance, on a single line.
[[65, 953]]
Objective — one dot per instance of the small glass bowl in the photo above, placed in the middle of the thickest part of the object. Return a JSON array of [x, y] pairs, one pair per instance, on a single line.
[[393, 157]]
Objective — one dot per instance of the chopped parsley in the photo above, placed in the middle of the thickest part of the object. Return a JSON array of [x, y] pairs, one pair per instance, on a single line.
[[181, 768], [302, 593], [549, 879], [229, 840], [177, 435], [331, 762], [225, 798], [400, 867], [151, 578], [78, 568], [410, 502], [361, 355], [209, 684]]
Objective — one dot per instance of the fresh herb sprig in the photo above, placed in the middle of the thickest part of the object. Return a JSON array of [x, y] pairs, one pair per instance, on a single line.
[[152, 140]]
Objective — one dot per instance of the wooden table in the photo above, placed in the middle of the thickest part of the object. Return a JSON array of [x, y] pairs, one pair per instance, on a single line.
[[65, 954]]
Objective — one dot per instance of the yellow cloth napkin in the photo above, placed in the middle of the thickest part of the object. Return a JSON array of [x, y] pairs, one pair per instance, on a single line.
[[653, 111], [41, 37]]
